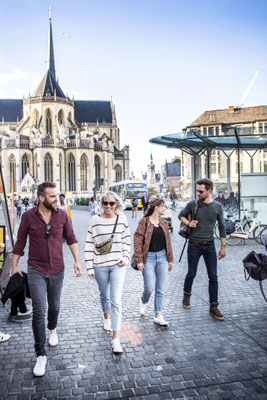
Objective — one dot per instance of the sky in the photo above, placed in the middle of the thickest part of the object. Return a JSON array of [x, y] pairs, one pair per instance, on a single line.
[[163, 62]]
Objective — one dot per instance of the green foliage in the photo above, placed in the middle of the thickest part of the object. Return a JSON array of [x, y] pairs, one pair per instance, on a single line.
[[82, 201], [152, 191]]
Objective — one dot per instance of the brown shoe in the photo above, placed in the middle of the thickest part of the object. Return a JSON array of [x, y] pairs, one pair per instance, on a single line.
[[186, 300], [214, 311]]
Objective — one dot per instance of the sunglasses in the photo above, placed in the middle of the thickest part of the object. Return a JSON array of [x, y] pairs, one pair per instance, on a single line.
[[111, 203], [47, 233], [200, 191]]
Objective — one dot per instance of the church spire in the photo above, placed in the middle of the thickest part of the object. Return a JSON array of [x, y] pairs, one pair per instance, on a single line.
[[50, 56]]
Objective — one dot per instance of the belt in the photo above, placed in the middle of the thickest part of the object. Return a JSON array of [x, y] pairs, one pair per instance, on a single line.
[[200, 241]]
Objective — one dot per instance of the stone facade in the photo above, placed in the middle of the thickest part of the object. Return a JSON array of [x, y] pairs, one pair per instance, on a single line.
[[48, 136], [249, 121]]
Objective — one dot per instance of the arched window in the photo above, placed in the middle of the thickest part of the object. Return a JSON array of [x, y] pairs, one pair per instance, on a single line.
[[12, 169], [97, 172], [60, 172], [83, 169], [71, 168], [24, 165], [60, 117], [48, 168], [35, 118], [48, 122], [118, 173]]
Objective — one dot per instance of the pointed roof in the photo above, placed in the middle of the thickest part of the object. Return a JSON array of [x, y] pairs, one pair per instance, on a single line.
[[50, 54], [49, 86]]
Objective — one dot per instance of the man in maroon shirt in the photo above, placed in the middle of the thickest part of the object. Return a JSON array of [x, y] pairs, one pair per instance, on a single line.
[[45, 225]]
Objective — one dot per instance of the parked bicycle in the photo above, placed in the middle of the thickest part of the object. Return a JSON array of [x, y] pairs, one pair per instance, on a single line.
[[244, 225], [239, 234]]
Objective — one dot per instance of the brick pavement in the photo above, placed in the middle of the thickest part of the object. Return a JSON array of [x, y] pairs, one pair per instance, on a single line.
[[197, 357]]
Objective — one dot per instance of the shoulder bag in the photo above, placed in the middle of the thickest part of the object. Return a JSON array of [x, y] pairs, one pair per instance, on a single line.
[[105, 247], [185, 229]]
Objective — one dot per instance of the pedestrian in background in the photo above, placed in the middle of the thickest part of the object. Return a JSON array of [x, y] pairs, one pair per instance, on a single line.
[[45, 225], [135, 203], [220, 198], [144, 201], [92, 207], [153, 253], [107, 251], [201, 242], [19, 206], [65, 206]]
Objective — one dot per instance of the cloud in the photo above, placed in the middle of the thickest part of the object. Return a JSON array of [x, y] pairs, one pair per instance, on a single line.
[[16, 82]]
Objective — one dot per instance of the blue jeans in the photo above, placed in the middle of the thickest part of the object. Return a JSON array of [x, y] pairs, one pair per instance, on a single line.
[[208, 251], [110, 283], [155, 271], [44, 286]]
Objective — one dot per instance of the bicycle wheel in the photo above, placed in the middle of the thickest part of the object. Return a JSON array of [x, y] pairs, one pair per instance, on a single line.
[[256, 234], [262, 235], [263, 286], [232, 241]]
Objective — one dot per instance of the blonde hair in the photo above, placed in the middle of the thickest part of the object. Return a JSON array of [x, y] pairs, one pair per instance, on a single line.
[[116, 198]]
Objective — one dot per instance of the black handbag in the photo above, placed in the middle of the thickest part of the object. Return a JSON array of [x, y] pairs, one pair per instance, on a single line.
[[255, 266], [133, 260], [185, 229]]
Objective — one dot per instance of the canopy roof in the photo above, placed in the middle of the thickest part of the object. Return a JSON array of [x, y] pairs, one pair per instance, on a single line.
[[193, 142]]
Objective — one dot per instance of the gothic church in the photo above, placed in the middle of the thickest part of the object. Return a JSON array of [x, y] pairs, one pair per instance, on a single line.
[[48, 136]]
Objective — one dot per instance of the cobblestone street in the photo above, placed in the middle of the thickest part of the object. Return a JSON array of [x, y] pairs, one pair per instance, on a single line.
[[196, 357]]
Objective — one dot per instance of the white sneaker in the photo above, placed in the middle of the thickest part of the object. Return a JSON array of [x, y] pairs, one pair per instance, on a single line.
[[116, 346], [39, 368], [107, 324], [4, 337], [142, 308], [52, 337], [160, 320]]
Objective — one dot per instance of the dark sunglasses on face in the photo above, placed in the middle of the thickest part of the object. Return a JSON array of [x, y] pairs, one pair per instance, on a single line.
[[47, 233], [200, 191], [111, 203]]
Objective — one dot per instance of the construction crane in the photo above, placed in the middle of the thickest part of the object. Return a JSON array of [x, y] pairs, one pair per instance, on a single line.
[[256, 74]]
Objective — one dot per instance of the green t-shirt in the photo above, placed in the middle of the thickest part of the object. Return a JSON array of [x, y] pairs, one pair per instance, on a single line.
[[207, 215]]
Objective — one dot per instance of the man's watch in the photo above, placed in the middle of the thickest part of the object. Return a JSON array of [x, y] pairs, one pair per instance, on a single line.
[[223, 245]]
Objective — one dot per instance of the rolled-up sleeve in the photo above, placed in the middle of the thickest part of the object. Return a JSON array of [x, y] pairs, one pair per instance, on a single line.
[[69, 232]]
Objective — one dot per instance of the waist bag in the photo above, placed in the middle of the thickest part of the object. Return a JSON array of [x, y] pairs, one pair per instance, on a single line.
[[105, 247]]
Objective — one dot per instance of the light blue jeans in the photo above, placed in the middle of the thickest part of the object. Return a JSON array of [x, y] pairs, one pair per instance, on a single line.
[[110, 282], [155, 271]]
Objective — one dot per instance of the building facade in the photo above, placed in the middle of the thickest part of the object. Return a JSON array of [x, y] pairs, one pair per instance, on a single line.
[[248, 121], [48, 136]]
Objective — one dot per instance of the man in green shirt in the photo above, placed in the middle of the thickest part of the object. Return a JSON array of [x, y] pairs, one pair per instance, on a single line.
[[201, 242]]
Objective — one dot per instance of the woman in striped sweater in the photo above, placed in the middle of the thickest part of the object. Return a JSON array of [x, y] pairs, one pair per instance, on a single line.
[[109, 269]]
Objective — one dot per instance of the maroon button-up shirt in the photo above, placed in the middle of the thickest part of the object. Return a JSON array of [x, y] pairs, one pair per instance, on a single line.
[[45, 254]]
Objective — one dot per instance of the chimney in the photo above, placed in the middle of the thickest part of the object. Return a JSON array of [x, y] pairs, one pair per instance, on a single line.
[[231, 109]]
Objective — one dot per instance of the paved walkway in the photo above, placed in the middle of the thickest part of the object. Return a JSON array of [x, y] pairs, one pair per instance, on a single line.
[[197, 357]]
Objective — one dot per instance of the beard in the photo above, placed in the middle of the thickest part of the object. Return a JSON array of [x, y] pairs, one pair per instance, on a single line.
[[202, 198], [49, 206]]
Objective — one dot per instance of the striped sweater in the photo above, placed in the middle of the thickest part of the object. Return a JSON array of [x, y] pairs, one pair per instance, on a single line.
[[100, 230]]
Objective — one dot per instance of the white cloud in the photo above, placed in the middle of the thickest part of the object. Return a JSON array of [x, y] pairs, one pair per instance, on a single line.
[[16, 82]]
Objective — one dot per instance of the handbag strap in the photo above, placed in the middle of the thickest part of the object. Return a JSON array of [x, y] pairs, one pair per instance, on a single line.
[[114, 228]]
